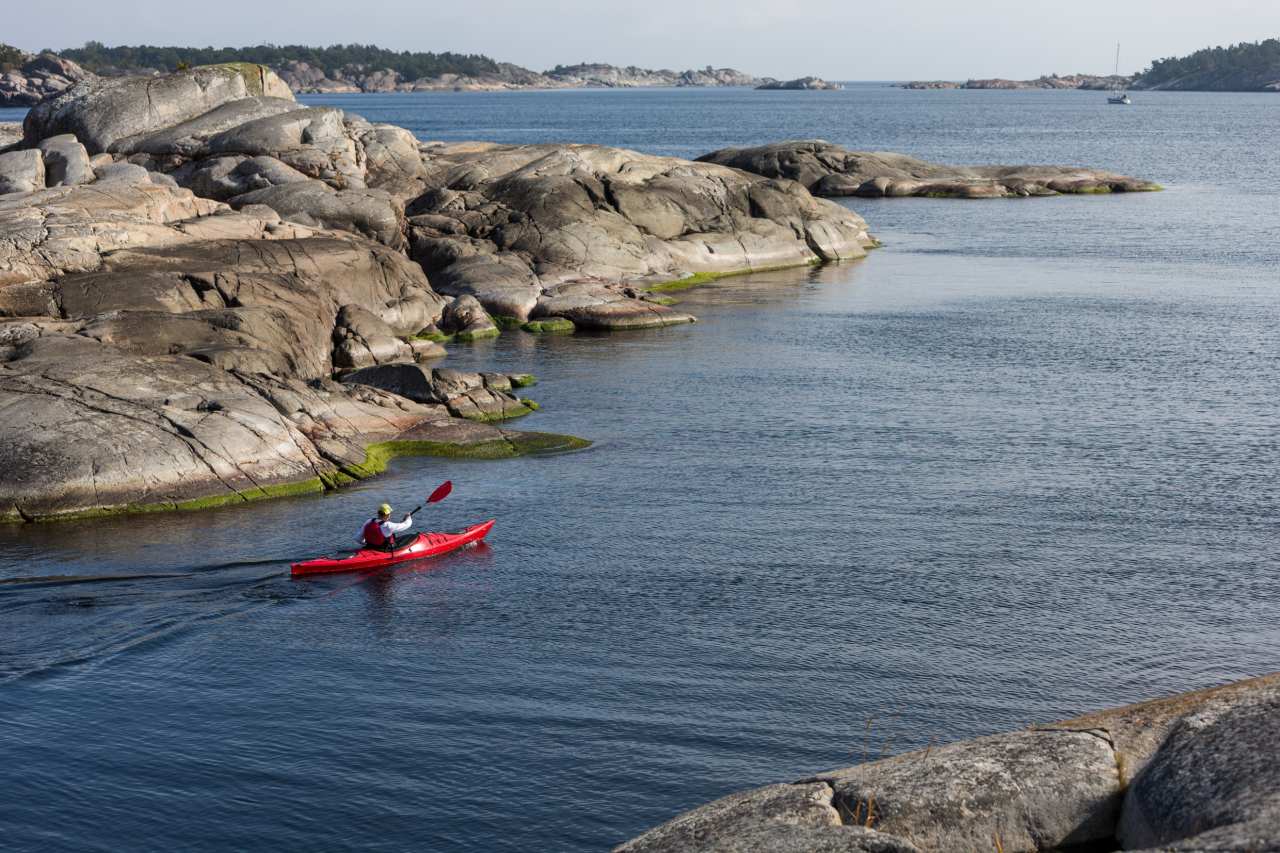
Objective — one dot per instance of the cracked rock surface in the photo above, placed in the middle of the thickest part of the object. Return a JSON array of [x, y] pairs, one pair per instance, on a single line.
[[829, 170], [157, 348], [1196, 772]]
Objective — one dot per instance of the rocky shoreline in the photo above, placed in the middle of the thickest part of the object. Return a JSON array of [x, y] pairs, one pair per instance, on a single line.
[[1096, 82], [1192, 773], [304, 78], [45, 75], [210, 293]]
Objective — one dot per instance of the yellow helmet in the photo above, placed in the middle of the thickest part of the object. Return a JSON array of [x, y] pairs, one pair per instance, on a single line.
[[385, 509]]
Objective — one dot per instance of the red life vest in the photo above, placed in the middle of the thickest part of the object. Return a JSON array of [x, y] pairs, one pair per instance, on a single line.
[[373, 533]]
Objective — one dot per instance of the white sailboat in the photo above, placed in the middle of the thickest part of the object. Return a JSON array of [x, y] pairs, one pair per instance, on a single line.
[[1118, 94]]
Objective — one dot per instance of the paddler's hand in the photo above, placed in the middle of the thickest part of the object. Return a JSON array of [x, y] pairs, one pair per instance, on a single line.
[[407, 517]]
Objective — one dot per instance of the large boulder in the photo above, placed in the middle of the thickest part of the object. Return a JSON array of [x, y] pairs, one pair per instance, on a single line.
[[66, 162], [103, 112], [1035, 790], [361, 339], [1214, 782], [21, 172], [829, 170], [507, 224]]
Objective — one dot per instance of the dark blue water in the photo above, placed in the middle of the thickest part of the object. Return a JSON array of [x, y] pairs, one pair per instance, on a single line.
[[1020, 463]]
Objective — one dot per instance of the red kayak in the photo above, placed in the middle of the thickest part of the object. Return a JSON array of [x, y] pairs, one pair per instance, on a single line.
[[422, 545]]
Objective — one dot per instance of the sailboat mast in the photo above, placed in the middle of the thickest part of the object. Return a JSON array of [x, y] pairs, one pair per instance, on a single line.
[[1117, 59]]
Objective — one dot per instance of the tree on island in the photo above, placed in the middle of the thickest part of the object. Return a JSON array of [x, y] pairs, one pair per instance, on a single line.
[[97, 57]]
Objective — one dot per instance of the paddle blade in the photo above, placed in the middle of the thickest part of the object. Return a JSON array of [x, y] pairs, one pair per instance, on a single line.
[[442, 491]]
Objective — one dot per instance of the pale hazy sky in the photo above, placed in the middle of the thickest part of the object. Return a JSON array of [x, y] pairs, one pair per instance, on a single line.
[[837, 39]]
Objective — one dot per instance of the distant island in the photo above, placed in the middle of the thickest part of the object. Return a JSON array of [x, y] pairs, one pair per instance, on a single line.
[[800, 84], [1244, 67], [1049, 81], [25, 79]]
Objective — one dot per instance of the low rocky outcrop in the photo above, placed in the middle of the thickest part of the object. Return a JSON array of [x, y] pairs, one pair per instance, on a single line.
[[37, 78], [1192, 773], [829, 170], [538, 231], [800, 84]]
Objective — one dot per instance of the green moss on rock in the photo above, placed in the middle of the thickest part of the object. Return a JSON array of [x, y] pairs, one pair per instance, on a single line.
[[478, 335], [251, 72], [523, 380], [549, 325]]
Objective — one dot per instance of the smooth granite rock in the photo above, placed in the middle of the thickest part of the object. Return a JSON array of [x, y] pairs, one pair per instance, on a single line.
[[829, 170], [104, 111], [1214, 782], [508, 224], [1032, 790], [372, 213], [1206, 780], [158, 349]]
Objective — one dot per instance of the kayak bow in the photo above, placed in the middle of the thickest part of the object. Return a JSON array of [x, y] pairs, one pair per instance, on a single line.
[[420, 546]]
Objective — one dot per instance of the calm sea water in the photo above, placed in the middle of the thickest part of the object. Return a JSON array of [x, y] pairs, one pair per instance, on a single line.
[[1018, 464]]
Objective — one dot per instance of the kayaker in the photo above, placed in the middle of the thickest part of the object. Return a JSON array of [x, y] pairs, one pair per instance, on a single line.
[[380, 531]]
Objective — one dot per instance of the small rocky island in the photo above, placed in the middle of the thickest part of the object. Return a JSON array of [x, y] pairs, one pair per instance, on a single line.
[[1193, 773], [800, 84]]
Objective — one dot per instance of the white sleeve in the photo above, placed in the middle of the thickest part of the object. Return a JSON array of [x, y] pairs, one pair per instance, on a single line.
[[360, 536], [390, 528]]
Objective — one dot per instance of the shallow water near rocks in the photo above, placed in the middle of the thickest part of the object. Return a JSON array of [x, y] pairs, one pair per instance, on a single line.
[[1018, 464]]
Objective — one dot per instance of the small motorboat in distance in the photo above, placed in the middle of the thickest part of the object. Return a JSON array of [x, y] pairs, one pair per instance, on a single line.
[[415, 548]]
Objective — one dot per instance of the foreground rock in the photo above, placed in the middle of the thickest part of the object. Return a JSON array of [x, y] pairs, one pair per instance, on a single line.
[[568, 231], [1197, 772], [829, 170]]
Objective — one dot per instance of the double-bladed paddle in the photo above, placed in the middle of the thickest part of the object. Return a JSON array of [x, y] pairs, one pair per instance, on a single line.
[[442, 491]]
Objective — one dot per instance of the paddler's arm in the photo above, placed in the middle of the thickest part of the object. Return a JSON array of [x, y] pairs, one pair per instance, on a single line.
[[398, 526]]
